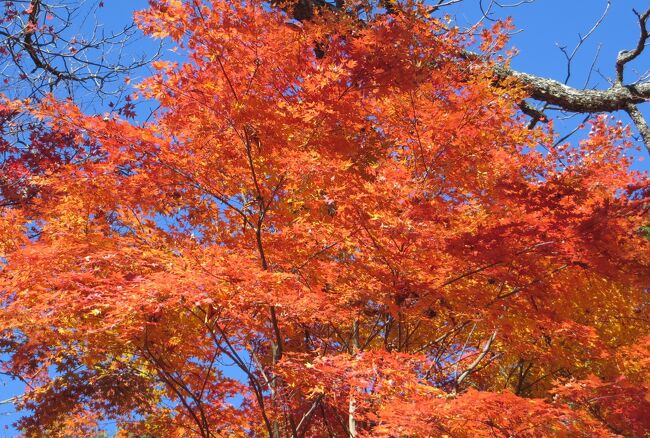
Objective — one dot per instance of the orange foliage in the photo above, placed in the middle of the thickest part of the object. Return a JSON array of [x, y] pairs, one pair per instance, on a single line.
[[359, 240]]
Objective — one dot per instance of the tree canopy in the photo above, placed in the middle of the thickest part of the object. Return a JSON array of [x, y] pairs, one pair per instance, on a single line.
[[338, 223]]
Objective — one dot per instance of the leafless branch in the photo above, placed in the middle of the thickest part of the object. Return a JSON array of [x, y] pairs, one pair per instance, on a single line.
[[580, 101], [557, 95], [626, 56], [443, 3], [581, 40], [640, 122], [54, 47]]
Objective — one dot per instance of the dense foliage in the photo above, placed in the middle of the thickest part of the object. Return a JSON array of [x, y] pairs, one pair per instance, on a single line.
[[335, 227]]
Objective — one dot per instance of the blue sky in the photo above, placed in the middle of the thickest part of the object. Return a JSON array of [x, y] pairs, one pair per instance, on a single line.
[[545, 26]]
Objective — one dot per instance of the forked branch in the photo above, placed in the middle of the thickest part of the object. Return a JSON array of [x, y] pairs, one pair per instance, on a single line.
[[472, 367]]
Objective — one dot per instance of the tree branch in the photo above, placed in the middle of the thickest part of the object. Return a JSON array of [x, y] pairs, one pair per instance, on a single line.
[[32, 25], [473, 365], [626, 56], [616, 98], [575, 100], [619, 97], [640, 122]]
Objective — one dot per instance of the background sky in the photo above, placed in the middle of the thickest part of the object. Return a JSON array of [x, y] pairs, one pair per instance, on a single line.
[[544, 26]]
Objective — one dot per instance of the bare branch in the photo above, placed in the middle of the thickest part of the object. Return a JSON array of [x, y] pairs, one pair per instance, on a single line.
[[443, 3], [626, 56], [560, 96], [582, 39], [535, 114], [53, 48], [572, 99], [616, 98], [28, 43], [641, 124]]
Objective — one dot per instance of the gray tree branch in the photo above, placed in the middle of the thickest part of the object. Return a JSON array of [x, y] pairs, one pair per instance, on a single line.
[[571, 99], [626, 56], [619, 97]]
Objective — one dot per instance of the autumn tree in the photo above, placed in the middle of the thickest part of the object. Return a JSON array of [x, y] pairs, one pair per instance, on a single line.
[[61, 48], [339, 223]]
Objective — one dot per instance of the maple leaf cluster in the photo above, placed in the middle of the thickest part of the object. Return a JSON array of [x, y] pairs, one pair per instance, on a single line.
[[335, 227]]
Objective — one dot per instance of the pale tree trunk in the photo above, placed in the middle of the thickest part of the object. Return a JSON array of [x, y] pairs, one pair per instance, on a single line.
[[352, 423]]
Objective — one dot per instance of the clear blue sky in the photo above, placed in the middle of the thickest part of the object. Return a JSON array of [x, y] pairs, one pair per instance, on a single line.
[[545, 25]]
